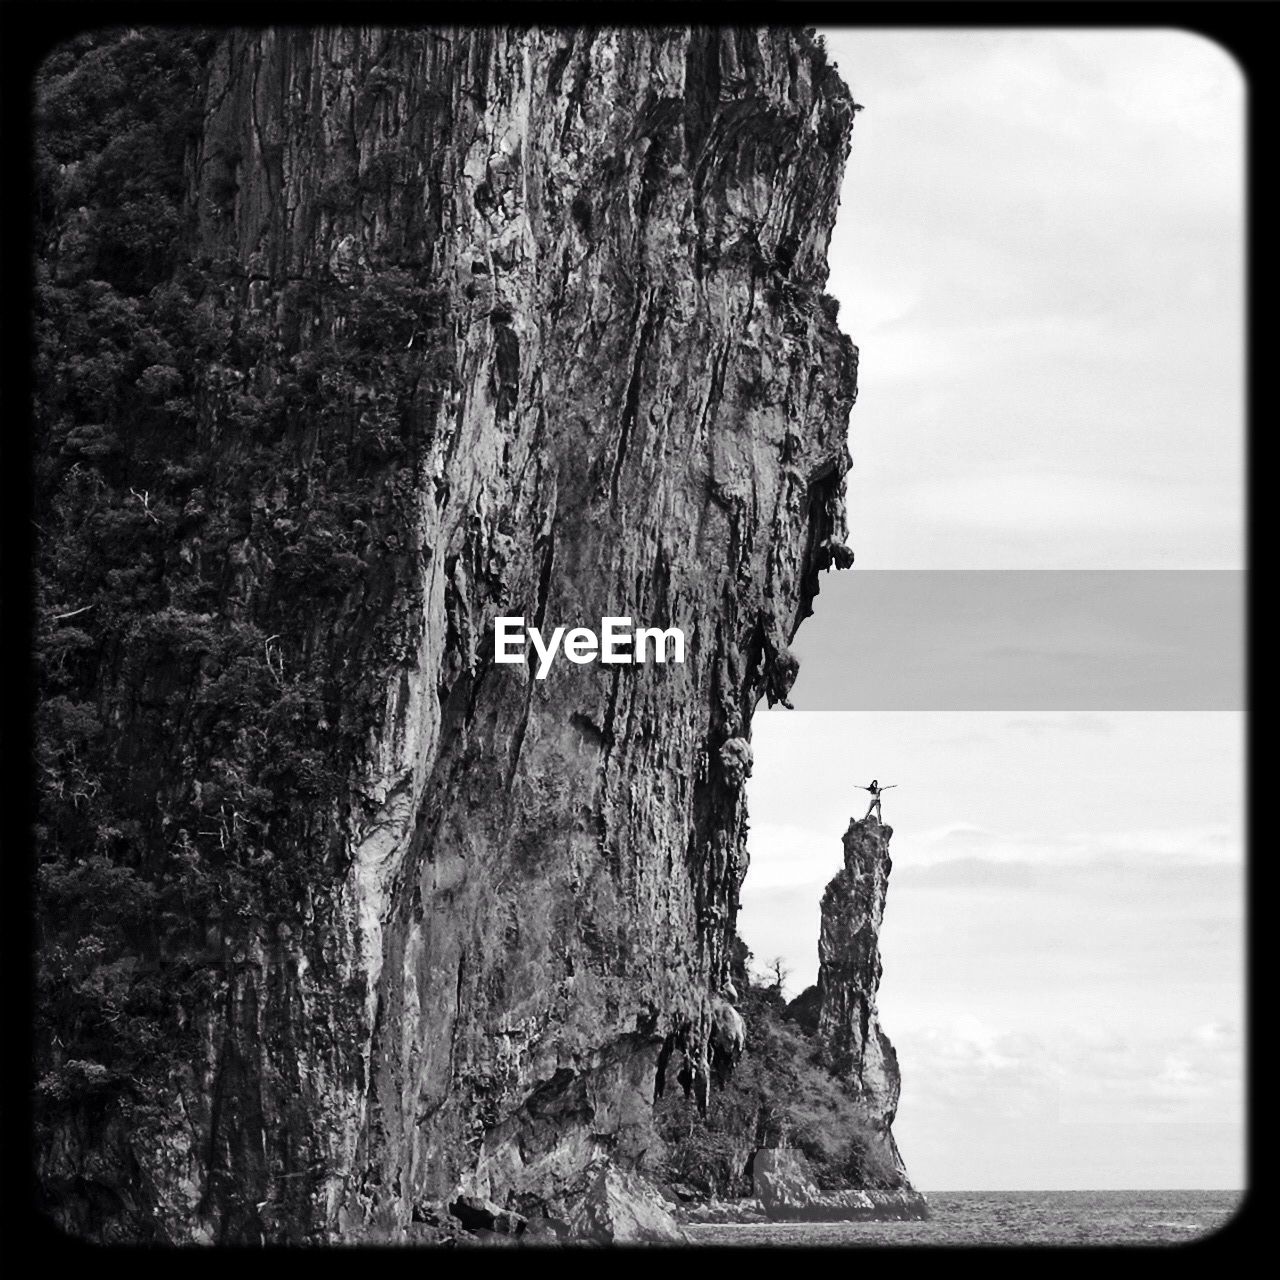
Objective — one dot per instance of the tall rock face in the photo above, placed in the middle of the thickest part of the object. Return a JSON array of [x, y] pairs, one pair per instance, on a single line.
[[854, 1046], [350, 341]]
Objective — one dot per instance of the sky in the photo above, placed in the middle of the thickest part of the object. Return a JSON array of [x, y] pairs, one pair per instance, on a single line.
[[1062, 940], [1016, 639], [1039, 254]]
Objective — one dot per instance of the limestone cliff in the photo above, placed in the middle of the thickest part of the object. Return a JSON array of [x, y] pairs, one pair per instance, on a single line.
[[854, 1046], [352, 340]]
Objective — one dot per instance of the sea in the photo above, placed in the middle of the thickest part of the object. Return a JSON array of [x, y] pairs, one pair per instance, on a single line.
[[1010, 1218]]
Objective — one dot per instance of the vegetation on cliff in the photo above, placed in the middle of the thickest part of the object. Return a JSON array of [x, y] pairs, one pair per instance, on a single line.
[[348, 340], [779, 1095], [211, 495]]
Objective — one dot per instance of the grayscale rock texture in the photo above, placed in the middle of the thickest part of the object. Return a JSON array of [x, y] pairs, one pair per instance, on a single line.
[[628, 396], [854, 1046], [786, 1193]]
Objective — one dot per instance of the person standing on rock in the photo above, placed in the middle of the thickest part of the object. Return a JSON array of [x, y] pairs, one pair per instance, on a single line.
[[876, 789]]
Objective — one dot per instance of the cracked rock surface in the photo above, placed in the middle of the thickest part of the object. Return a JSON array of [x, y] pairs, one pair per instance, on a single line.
[[629, 397], [854, 1046]]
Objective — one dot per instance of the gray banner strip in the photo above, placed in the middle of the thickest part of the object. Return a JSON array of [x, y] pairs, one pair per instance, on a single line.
[[1015, 640]]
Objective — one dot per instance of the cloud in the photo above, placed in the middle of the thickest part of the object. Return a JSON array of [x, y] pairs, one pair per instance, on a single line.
[[1174, 1080], [1037, 726], [1034, 501], [1078, 1075], [1145, 850], [973, 873], [1025, 255], [791, 857], [957, 834]]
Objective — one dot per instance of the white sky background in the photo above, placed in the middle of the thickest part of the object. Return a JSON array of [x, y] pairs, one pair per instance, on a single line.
[[1039, 253], [1062, 943]]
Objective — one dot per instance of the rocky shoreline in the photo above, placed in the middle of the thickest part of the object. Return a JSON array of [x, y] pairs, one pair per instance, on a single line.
[[831, 1206], [786, 1193], [621, 1207]]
